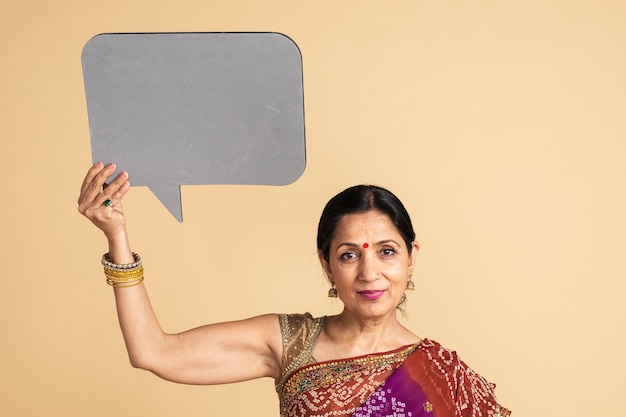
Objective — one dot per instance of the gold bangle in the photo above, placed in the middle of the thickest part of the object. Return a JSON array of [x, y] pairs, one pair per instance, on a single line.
[[126, 279], [121, 281], [123, 276], [117, 284]]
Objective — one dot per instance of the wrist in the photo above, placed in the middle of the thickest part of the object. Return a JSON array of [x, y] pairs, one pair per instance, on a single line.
[[119, 247], [117, 236]]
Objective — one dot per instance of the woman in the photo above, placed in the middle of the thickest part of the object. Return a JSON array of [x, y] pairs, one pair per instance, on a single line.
[[362, 362]]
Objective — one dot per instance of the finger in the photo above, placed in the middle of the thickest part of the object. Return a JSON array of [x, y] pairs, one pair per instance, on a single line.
[[109, 192], [94, 188], [116, 198], [97, 167], [89, 188]]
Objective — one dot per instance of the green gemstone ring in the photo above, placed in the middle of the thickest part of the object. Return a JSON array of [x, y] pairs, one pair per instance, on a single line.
[[107, 203]]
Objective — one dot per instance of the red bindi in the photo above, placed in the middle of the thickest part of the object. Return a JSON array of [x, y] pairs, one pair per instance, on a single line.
[[366, 245]]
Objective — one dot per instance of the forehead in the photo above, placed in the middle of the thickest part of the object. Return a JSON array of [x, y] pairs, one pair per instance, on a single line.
[[368, 225]]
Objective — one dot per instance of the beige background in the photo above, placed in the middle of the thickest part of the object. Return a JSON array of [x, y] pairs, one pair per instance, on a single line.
[[499, 123]]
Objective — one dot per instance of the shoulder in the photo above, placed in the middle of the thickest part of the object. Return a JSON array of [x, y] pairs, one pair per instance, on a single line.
[[299, 333], [300, 326]]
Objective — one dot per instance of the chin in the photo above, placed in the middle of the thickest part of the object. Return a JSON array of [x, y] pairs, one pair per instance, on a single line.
[[375, 311]]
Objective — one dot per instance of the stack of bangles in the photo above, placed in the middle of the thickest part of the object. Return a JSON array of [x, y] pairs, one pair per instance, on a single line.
[[123, 275]]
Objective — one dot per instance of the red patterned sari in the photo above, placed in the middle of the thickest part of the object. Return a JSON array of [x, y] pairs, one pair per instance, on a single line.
[[419, 380]]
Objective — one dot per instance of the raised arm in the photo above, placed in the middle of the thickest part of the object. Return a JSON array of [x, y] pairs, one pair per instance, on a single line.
[[213, 354]]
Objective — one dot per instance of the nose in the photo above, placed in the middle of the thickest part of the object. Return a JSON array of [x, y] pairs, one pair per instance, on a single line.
[[369, 268]]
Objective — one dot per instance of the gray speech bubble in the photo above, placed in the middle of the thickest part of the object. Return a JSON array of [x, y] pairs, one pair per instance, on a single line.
[[178, 109]]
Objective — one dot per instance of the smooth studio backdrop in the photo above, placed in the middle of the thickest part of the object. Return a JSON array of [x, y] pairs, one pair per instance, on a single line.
[[500, 124]]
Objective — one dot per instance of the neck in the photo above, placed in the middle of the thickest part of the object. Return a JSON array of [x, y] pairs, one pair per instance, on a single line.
[[366, 335]]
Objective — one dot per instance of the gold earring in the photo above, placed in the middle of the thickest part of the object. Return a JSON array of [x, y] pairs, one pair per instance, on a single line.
[[410, 284], [332, 292]]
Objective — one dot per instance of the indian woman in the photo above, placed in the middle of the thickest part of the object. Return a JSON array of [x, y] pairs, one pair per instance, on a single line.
[[361, 362]]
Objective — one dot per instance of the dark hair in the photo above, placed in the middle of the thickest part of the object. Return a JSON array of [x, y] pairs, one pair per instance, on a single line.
[[361, 199]]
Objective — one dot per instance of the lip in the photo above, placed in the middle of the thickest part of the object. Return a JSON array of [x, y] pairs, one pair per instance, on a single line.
[[371, 294]]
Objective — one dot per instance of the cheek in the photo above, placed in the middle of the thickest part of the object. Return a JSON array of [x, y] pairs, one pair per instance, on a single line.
[[400, 275], [343, 276]]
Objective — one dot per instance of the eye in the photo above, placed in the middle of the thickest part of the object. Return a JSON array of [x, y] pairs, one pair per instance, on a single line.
[[387, 251], [348, 256]]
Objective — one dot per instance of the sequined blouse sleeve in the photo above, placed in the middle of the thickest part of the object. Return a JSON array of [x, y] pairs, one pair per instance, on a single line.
[[299, 333]]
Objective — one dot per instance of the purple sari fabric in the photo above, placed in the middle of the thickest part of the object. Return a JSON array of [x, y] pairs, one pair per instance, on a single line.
[[396, 398]]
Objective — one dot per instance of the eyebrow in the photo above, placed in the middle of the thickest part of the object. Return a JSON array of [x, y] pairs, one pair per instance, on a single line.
[[356, 245]]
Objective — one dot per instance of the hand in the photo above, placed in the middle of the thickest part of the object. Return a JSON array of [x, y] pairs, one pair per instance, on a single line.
[[93, 195]]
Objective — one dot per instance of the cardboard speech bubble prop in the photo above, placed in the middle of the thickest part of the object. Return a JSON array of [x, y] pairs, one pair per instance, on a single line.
[[178, 109]]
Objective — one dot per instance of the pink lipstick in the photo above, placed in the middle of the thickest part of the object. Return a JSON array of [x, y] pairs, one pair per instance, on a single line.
[[371, 294]]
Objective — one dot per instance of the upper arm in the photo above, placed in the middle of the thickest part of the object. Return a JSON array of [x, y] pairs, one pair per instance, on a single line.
[[220, 353]]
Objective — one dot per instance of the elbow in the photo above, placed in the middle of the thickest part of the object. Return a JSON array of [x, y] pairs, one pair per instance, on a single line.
[[144, 354], [151, 357], [137, 363], [152, 365], [140, 361]]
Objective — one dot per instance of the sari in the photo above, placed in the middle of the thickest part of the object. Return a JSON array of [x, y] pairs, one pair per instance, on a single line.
[[418, 380]]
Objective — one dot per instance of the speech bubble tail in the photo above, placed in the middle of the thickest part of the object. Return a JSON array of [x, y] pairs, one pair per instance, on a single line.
[[170, 197]]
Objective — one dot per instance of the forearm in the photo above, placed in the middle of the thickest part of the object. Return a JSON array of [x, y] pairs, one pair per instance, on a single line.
[[140, 327]]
